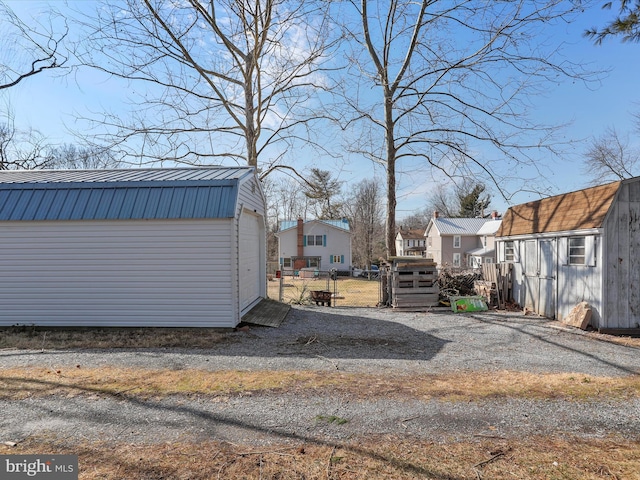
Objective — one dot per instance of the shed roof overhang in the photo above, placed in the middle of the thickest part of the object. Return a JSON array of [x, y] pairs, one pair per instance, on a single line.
[[581, 210]]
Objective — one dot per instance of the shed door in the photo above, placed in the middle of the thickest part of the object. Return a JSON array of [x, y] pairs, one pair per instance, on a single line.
[[249, 263], [530, 269], [547, 278]]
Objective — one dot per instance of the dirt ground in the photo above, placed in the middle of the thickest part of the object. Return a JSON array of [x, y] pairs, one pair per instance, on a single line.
[[333, 394]]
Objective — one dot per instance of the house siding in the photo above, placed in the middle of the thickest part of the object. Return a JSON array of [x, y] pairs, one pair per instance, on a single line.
[[116, 273], [336, 241], [433, 251], [251, 202]]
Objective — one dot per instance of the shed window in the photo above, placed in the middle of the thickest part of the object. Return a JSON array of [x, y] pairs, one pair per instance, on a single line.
[[577, 251], [314, 240], [509, 251], [456, 241]]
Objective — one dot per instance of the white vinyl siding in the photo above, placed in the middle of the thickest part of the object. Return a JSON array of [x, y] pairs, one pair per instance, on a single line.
[[249, 265], [117, 273]]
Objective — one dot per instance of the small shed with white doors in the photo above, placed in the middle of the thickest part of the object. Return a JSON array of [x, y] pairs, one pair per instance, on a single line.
[[575, 247], [182, 247]]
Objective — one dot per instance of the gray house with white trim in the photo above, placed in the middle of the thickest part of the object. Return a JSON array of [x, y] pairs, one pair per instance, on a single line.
[[181, 247]]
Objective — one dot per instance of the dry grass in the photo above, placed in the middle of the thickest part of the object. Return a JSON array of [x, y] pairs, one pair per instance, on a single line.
[[19, 383], [387, 457], [37, 338], [350, 291]]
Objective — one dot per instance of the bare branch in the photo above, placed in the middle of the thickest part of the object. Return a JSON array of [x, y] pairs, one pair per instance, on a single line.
[[35, 45]]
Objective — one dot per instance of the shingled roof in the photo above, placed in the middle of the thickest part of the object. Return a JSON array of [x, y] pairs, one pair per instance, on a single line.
[[578, 210]]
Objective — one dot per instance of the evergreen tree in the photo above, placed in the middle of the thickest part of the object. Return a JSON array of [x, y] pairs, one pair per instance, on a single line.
[[322, 189], [625, 25], [472, 203]]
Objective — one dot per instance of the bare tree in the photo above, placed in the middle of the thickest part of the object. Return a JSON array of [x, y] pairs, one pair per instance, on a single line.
[[611, 158], [443, 200], [23, 149], [419, 219], [73, 157], [365, 212], [29, 48], [219, 78], [451, 82], [285, 199]]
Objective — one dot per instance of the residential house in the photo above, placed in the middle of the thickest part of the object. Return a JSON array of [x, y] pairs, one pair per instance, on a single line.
[[410, 242], [575, 247], [181, 247], [321, 245], [486, 252], [461, 242]]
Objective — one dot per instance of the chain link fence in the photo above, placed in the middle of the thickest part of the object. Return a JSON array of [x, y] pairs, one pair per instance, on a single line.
[[327, 288]]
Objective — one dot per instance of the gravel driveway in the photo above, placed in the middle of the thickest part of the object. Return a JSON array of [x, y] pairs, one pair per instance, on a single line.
[[349, 340]]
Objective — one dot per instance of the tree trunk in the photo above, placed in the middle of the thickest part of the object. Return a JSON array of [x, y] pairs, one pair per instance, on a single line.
[[390, 226]]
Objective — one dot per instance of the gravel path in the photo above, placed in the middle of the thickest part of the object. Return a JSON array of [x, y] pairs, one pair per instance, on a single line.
[[350, 340]]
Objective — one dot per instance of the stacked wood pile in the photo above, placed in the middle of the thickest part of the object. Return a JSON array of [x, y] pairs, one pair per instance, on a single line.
[[496, 284], [410, 283]]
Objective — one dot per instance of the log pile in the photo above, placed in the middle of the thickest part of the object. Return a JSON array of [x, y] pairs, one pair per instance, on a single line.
[[460, 284]]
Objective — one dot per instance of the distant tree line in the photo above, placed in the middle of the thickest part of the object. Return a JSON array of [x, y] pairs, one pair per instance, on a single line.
[[442, 84]]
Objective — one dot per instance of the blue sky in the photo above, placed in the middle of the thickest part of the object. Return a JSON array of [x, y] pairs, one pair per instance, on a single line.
[[48, 103]]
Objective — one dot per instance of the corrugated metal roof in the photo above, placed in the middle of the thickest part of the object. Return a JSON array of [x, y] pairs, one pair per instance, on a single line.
[[458, 226], [125, 175], [202, 192], [341, 224], [490, 227], [481, 251], [583, 209]]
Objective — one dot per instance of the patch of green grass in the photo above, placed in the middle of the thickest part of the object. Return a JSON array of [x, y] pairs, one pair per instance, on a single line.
[[331, 419]]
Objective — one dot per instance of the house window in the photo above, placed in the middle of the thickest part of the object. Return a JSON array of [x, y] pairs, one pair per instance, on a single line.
[[314, 240], [484, 241], [488, 260], [313, 262], [456, 241], [456, 259], [577, 251], [286, 262], [337, 259], [429, 241], [509, 251]]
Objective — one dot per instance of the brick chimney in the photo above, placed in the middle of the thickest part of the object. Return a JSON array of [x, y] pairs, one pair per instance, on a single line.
[[299, 262], [435, 214], [494, 215]]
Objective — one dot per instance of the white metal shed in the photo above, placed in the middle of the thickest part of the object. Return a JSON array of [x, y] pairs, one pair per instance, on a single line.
[[181, 247]]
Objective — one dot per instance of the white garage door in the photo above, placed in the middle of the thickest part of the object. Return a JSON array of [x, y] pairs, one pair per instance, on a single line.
[[250, 271]]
